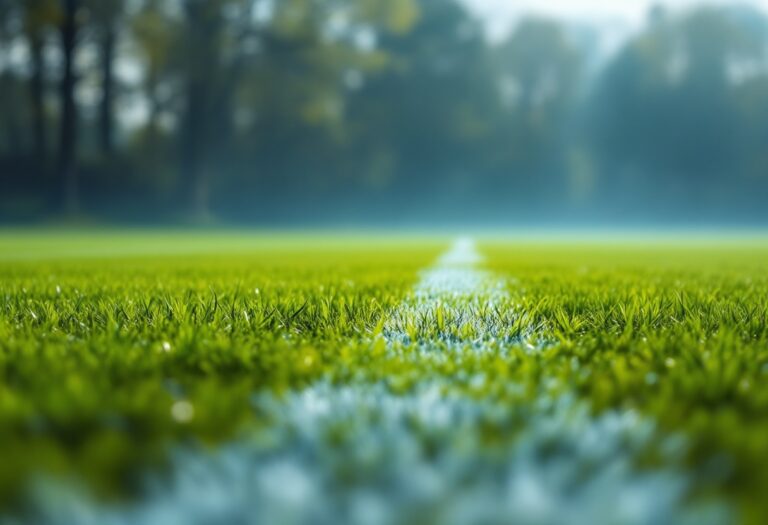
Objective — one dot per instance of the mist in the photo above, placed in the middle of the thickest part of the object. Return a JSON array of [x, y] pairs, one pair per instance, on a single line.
[[386, 114]]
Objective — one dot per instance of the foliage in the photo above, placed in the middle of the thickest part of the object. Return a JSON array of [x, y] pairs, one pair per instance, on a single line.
[[231, 108]]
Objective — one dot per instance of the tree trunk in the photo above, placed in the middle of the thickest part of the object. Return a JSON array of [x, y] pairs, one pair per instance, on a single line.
[[12, 121], [203, 28], [153, 124], [69, 196], [107, 107], [37, 98], [194, 149]]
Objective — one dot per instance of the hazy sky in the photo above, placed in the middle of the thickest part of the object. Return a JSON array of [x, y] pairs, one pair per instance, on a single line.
[[615, 17]]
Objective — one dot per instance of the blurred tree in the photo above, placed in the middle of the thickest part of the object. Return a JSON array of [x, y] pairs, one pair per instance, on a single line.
[[280, 109], [69, 33], [106, 17], [40, 16], [667, 109], [539, 77], [204, 42], [155, 31], [291, 74], [8, 13], [425, 120]]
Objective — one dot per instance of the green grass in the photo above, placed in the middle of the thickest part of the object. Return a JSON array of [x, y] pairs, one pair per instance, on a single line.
[[101, 334]]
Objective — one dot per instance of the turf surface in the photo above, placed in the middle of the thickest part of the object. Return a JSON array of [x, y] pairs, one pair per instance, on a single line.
[[118, 348]]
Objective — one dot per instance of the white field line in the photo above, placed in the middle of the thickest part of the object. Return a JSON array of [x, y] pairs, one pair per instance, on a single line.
[[454, 302], [362, 454]]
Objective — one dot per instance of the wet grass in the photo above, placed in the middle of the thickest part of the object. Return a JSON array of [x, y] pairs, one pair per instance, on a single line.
[[116, 349]]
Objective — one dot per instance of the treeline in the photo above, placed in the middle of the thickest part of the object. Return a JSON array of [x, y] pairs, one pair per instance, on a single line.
[[279, 111]]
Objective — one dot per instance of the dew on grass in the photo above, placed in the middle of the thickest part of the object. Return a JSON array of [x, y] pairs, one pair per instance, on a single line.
[[446, 441], [454, 301], [332, 453], [182, 411]]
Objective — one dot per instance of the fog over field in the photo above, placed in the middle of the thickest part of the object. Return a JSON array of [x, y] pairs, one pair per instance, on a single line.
[[410, 113]]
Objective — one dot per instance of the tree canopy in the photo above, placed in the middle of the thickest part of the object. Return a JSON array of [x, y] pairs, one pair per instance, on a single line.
[[374, 111]]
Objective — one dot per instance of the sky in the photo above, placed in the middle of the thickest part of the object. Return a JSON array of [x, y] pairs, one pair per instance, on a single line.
[[615, 19]]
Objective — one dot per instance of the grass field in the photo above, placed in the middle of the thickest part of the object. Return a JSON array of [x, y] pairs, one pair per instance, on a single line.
[[320, 379]]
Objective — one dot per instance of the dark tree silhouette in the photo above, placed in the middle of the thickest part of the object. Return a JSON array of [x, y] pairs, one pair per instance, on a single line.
[[69, 195]]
